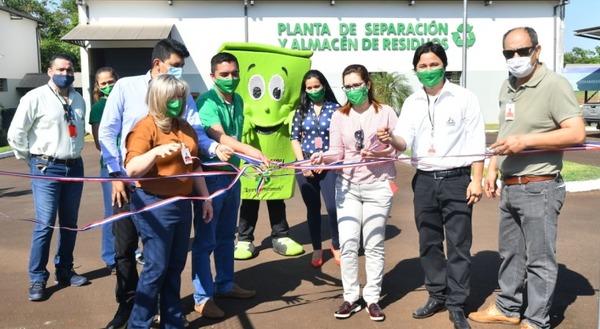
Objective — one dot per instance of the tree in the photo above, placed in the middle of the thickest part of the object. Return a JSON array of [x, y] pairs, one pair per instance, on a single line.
[[583, 56], [390, 88], [60, 18]]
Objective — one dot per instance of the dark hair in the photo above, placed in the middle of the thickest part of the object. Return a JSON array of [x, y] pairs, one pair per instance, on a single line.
[[62, 56], [165, 47], [304, 100], [532, 35], [364, 74], [430, 47], [96, 92], [221, 58]]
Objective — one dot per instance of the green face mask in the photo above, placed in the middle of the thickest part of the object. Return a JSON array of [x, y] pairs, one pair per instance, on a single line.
[[227, 86], [431, 78], [357, 97], [316, 96], [106, 90], [174, 107]]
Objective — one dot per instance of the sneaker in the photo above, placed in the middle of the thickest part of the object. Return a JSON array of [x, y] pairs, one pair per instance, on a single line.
[[37, 291], [287, 247], [244, 250], [121, 317], [68, 277], [209, 310], [347, 309], [237, 292], [139, 258]]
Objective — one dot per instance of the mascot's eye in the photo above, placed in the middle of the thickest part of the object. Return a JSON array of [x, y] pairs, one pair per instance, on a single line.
[[256, 87], [276, 87]]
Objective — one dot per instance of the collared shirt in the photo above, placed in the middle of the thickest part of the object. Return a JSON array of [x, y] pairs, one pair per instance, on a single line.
[[312, 126], [125, 106], [442, 132], [343, 143], [537, 106], [213, 110], [39, 125]]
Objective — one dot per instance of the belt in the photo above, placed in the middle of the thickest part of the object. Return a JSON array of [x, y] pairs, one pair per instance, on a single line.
[[448, 173], [66, 162], [518, 180]]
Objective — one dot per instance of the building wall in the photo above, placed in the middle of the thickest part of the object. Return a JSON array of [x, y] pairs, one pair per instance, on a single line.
[[348, 32], [19, 54]]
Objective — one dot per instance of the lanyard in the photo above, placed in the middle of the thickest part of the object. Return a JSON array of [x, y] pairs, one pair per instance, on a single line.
[[69, 116]]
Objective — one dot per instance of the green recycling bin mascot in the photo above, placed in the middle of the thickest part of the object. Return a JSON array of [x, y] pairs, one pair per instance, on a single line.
[[270, 79]]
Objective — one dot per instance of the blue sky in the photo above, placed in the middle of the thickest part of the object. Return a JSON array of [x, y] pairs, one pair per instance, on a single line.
[[581, 14]]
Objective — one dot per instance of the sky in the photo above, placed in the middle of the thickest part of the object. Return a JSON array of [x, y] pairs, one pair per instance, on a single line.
[[581, 14]]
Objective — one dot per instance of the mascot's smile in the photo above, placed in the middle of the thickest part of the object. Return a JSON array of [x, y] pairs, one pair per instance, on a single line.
[[267, 130]]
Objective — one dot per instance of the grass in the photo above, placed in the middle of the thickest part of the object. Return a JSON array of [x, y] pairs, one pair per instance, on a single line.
[[4, 148], [575, 172]]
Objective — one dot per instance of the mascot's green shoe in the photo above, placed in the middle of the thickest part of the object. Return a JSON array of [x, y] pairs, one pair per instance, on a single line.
[[287, 247], [244, 250]]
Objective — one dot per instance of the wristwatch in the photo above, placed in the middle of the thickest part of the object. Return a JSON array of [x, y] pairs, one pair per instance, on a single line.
[[115, 174]]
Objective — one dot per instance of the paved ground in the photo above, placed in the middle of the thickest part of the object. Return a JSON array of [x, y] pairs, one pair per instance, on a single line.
[[291, 293]]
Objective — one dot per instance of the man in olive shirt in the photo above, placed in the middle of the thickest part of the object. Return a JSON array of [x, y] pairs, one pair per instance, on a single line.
[[538, 110]]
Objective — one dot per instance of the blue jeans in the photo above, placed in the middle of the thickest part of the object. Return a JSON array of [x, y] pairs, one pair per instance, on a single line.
[[217, 236], [165, 234], [311, 189], [108, 238], [50, 197], [527, 245]]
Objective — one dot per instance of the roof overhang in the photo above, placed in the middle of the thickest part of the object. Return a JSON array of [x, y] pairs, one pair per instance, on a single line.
[[583, 76], [82, 34], [590, 32]]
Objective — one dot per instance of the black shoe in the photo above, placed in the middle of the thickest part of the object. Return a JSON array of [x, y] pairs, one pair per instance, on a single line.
[[68, 277], [37, 291], [112, 269], [121, 317], [429, 309], [459, 320]]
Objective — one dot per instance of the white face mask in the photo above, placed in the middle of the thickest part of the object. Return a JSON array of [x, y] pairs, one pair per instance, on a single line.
[[520, 67]]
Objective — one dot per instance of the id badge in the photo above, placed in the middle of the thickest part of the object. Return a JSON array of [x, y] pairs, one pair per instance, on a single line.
[[510, 111], [186, 155], [72, 130], [318, 143]]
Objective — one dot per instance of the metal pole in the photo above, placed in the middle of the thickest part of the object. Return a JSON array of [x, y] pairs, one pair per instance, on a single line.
[[463, 80]]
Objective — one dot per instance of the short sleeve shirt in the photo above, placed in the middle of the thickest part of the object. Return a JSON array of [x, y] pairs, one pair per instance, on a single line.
[[310, 126], [97, 110]]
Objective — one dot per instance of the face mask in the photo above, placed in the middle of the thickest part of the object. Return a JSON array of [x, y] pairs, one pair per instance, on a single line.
[[520, 67], [357, 97], [174, 108], [227, 86], [63, 81], [175, 71], [431, 78], [106, 90], [316, 96]]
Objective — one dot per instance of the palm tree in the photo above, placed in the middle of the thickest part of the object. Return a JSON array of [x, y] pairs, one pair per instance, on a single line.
[[391, 88]]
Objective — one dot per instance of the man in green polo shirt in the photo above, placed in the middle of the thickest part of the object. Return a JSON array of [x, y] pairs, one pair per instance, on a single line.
[[221, 113]]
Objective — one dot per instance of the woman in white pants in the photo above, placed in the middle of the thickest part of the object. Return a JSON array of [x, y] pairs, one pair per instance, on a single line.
[[363, 193]]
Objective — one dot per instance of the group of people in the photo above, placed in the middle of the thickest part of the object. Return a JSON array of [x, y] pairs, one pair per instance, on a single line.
[[151, 127]]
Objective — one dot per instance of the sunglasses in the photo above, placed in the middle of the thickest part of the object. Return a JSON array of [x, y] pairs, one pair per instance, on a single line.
[[526, 51], [360, 139], [354, 86]]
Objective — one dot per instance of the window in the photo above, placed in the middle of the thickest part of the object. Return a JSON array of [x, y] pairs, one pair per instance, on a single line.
[[454, 76], [3, 85]]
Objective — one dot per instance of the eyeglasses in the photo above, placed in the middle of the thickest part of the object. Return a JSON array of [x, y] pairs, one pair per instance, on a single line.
[[360, 139], [508, 54], [354, 86]]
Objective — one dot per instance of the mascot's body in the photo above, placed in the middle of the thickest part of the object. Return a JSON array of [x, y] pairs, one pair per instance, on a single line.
[[270, 80]]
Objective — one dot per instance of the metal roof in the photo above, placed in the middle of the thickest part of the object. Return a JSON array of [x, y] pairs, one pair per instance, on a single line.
[[590, 32], [105, 32]]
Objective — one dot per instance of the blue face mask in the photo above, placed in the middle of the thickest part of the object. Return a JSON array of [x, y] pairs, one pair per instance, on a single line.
[[63, 81], [176, 71]]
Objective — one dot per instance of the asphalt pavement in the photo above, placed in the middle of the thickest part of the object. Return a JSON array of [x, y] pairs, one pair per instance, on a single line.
[[290, 293]]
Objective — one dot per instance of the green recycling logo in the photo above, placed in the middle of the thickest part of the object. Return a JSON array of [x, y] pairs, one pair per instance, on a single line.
[[457, 36]]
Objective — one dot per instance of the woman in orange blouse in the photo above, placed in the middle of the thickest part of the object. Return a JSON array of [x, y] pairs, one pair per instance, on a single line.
[[160, 145]]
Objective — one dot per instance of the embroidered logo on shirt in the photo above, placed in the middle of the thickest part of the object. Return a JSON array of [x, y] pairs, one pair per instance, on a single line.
[[450, 122]]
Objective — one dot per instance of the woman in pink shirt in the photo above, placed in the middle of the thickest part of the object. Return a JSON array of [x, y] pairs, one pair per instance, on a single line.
[[363, 193]]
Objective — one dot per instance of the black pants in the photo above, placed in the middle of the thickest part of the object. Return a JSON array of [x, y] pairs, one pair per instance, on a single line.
[[249, 217], [441, 210], [126, 242]]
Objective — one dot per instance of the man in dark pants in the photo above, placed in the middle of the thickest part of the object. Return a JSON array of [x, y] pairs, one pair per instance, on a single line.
[[125, 106], [443, 126]]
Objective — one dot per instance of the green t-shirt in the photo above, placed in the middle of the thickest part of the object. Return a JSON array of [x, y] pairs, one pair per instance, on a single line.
[[97, 110], [214, 110]]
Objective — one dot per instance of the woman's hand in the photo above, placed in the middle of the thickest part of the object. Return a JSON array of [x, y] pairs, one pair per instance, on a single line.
[[166, 149], [207, 211]]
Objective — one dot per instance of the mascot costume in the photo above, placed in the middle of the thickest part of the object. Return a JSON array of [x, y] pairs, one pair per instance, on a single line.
[[270, 80]]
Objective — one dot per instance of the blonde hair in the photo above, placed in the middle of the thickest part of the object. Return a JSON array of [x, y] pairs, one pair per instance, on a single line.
[[160, 90]]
